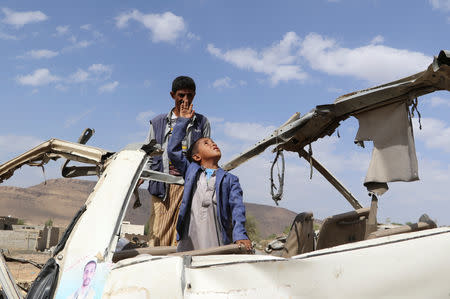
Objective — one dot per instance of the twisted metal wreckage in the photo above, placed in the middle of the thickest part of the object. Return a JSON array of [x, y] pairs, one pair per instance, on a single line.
[[351, 258]]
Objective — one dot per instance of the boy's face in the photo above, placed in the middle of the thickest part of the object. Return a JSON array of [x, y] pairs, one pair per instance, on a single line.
[[182, 95], [207, 149]]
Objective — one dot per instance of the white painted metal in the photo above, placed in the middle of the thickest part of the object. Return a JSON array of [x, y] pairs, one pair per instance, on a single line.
[[413, 265], [145, 277], [7, 282], [96, 232]]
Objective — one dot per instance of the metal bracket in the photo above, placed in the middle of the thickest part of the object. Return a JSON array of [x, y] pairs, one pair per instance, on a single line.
[[77, 171], [152, 175]]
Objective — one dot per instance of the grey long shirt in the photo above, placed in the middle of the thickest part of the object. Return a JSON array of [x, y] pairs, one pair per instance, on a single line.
[[203, 231]]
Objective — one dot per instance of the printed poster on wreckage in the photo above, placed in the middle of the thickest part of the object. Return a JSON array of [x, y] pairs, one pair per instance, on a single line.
[[84, 279]]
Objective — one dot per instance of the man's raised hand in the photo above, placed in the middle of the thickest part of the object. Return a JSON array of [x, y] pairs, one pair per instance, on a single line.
[[186, 110]]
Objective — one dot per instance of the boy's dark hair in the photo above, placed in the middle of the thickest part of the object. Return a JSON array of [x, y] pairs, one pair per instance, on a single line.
[[192, 150], [183, 82]]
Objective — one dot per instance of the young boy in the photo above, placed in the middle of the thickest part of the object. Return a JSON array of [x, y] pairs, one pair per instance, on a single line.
[[212, 212]]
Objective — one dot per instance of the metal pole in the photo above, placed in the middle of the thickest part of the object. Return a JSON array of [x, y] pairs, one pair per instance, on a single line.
[[330, 178]]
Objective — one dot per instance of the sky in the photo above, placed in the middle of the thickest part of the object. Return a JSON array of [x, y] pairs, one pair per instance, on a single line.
[[109, 65]]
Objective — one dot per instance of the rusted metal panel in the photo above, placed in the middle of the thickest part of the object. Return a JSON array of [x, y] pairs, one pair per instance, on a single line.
[[52, 150], [324, 119]]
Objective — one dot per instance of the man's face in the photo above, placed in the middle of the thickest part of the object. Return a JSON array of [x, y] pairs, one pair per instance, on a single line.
[[208, 149], [182, 95], [88, 273]]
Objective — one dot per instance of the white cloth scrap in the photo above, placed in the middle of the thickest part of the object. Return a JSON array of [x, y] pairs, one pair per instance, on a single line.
[[394, 154]]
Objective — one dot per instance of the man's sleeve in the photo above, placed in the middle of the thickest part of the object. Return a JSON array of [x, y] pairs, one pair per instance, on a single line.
[[237, 210], [174, 147], [150, 136], [206, 130]]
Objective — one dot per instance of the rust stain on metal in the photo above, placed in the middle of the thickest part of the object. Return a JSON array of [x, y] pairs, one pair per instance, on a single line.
[[127, 291]]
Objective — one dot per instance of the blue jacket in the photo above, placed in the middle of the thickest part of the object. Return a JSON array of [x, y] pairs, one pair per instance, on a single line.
[[230, 207], [158, 130]]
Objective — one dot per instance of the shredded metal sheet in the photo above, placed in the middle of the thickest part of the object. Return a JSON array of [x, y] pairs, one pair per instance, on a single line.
[[52, 150], [324, 119]]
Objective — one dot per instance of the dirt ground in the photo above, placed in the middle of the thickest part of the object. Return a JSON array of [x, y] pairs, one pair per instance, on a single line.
[[24, 274]]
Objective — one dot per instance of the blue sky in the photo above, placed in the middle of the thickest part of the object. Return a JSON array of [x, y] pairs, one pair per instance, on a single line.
[[109, 65]]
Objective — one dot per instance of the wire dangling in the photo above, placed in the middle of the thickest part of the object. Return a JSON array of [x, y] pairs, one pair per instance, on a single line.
[[277, 197], [414, 108]]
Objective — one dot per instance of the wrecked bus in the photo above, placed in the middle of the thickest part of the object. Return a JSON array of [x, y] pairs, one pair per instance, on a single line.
[[350, 257]]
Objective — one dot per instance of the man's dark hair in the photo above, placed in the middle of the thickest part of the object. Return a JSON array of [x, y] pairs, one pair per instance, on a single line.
[[91, 262], [183, 82]]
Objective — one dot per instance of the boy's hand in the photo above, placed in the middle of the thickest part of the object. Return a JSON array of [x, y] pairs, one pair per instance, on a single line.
[[247, 243], [186, 110]]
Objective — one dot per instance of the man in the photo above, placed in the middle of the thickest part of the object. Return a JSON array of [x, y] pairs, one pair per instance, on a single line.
[[86, 291], [166, 198]]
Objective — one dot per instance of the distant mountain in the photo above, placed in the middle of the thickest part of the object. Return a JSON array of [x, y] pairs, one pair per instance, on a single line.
[[60, 199]]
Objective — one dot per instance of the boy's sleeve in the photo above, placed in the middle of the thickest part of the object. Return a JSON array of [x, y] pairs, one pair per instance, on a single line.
[[174, 149], [237, 210]]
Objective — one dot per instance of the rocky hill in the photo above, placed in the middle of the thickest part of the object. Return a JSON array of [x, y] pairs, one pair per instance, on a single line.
[[59, 200]]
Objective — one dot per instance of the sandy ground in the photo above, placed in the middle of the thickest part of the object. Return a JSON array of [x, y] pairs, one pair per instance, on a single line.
[[24, 274]]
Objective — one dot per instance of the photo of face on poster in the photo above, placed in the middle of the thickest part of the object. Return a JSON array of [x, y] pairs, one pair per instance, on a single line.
[[85, 291], [83, 280]]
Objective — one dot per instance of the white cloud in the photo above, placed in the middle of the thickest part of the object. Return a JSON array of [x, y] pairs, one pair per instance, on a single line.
[[435, 133], [97, 35], [279, 61], [440, 4], [166, 27], [17, 144], [213, 119], [39, 54], [76, 118], [101, 69], [95, 74], [438, 101], [5, 36], [193, 36], [328, 150], [282, 61], [144, 117], [77, 44], [19, 19], [61, 87], [109, 87], [38, 78], [86, 27], [377, 40], [374, 63], [79, 76], [223, 83], [82, 44], [227, 82], [62, 30], [247, 131]]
